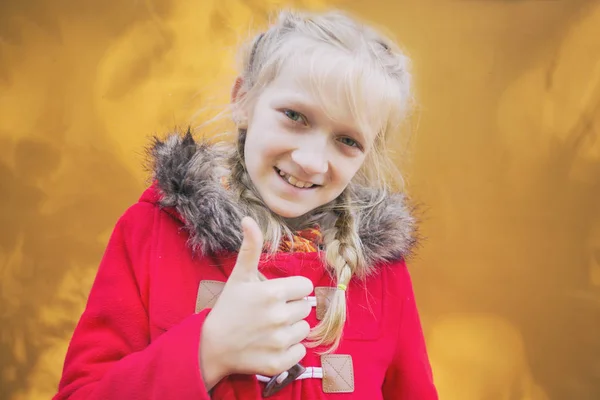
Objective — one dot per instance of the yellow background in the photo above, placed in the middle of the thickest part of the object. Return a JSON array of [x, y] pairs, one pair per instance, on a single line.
[[505, 160]]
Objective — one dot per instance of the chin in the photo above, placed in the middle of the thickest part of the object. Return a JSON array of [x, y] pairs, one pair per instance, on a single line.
[[288, 211]]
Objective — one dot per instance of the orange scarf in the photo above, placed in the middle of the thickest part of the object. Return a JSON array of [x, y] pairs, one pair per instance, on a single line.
[[304, 241]]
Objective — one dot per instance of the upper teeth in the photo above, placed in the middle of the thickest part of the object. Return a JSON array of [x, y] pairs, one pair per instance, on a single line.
[[294, 181]]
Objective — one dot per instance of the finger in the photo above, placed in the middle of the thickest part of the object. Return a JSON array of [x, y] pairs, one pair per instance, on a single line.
[[293, 356], [246, 266], [280, 361], [289, 336], [297, 310], [289, 288], [299, 331]]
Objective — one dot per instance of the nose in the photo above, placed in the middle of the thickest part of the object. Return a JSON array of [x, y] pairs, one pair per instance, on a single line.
[[312, 158]]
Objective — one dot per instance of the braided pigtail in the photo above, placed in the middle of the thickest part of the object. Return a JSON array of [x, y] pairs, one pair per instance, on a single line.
[[344, 256]]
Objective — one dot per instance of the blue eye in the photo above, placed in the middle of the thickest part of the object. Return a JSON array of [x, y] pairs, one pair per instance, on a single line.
[[349, 142], [295, 116]]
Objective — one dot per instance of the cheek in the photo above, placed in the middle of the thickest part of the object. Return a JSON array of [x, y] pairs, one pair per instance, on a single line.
[[266, 139], [253, 156], [347, 169], [261, 156]]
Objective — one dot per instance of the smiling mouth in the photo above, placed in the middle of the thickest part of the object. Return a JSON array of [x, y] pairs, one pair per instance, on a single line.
[[293, 181]]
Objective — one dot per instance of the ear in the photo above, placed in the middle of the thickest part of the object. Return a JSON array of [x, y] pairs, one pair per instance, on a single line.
[[240, 115], [236, 94]]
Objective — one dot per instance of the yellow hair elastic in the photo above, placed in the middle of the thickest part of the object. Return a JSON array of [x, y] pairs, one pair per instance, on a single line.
[[341, 286]]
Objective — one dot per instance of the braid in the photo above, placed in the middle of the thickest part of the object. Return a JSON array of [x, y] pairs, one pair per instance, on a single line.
[[344, 257]]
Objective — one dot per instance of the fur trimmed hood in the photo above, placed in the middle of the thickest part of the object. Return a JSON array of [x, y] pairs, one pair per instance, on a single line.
[[189, 173]]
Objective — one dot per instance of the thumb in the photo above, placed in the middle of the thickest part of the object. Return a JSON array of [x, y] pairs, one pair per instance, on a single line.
[[246, 266]]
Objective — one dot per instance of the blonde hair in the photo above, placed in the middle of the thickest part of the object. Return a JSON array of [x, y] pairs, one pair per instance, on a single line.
[[374, 75]]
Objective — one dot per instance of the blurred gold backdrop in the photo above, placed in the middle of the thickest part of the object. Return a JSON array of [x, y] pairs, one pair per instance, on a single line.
[[505, 160]]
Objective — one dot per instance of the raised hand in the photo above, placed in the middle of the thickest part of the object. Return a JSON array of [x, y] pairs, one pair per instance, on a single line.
[[255, 327]]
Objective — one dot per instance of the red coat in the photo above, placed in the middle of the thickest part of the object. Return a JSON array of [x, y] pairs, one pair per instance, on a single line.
[[139, 335]]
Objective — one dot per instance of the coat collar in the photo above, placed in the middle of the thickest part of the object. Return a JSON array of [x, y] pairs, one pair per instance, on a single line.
[[188, 177]]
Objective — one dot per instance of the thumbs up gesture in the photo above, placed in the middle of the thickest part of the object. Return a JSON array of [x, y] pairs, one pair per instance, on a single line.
[[255, 326]]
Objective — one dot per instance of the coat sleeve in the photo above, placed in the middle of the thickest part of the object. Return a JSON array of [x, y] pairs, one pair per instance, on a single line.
[[409, 377], [110, 355]]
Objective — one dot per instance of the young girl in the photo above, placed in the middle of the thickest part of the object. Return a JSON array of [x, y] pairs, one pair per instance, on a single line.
[[191, 303]]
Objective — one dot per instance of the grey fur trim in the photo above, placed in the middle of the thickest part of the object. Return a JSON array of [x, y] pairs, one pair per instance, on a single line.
[[387, 231], [188, 175]]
